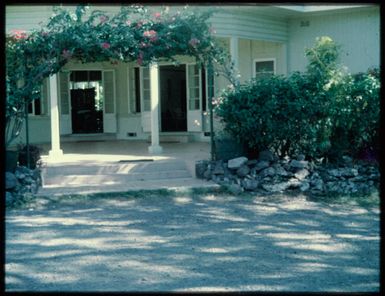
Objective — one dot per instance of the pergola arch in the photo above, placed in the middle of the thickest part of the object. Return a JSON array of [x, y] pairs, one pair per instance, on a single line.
[[133, 34]]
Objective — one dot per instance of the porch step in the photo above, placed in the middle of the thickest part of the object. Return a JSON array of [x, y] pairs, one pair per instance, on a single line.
[[172, 138], [111, 179], [106, 168], [111, 173]]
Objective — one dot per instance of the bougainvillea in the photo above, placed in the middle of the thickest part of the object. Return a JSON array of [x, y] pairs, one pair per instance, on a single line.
[[133, 34]]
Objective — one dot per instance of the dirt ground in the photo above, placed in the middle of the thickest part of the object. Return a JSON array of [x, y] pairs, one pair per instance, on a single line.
[[200, 242]]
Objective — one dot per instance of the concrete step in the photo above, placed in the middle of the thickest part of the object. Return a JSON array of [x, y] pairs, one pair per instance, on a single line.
[[112, 173], [182, 183], [122, 167], [171, 138], [110, 179]]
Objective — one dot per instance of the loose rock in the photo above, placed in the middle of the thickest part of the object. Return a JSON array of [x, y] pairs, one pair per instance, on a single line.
[[200, 168], [267, 172], [236, 163], [276, 187], [10, 181], [250, 185], [301, 174], [243, 171], [261, 165], [235, 189], [299, 164]]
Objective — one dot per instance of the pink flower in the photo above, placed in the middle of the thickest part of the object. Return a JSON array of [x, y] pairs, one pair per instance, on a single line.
[[103, 19], [144, 44], [66, 54], [157, 15], [194, 42], [106, 45], [128, 23], [19, 34], [139, 24], [150, 34], [212, 31]]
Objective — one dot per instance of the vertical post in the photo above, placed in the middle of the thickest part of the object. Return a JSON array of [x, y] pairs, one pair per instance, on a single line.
[[55, 131], [155, 148], [27, 132], [210, 89]]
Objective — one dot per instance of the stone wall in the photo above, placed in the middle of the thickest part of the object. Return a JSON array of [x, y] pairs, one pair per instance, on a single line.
[[270, 174]]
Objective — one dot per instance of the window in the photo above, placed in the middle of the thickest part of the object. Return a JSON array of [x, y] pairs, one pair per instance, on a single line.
[[194, 87], [206, 83], [264, 68], [88, 80], [36, 107], [146, 89]]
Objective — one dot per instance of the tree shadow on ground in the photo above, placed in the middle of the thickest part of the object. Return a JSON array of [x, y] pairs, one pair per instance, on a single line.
[[204, 242]]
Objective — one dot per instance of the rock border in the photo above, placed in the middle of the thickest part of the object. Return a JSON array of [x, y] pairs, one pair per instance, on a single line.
[[271, 174], [21, 184]]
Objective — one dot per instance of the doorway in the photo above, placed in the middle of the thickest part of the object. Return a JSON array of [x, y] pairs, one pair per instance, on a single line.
[[86, 102], [173, 103]]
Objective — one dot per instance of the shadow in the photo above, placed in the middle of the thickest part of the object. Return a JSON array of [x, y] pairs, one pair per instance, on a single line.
[[192, 242]]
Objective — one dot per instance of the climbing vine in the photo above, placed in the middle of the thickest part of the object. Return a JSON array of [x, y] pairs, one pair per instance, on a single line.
[[133, 34]]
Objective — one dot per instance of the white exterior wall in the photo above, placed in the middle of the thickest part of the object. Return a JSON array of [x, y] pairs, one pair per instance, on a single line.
[[356, 31], [248, 25], [251, 50]]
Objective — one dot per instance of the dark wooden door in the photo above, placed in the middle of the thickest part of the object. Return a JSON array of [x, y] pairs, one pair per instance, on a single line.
[[85, 118]]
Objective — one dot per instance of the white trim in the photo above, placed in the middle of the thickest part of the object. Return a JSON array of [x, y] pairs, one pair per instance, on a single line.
[[129, 67], [113, 114], [113, 90], [69, 92], [188, 87], [155, 148], [274, 60]]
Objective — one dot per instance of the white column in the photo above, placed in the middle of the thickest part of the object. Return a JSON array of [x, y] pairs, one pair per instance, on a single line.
[[284, 62], [234, 52], [55, 151], [154, 84]]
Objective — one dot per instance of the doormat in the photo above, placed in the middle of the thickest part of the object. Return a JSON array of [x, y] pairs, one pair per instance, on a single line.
[[135, 160]]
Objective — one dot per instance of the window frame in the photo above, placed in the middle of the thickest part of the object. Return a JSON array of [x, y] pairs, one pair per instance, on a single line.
[[40, 102], [255, 61]]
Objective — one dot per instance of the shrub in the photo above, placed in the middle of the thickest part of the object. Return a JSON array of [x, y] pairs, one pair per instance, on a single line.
[[322, 112], [34, 156], [277, 113], [356, 119]]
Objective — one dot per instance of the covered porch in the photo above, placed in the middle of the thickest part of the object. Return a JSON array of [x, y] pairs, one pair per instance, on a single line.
[[96, 166]]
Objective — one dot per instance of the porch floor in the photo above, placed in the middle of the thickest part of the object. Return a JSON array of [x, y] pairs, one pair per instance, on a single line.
[[97, 166]]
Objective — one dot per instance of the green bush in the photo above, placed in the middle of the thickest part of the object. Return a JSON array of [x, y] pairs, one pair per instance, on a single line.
[[276, 113], [357, 113], [34, 156], [322, 112]]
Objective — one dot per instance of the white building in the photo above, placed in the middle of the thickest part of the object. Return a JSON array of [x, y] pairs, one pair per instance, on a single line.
[[114, 101]]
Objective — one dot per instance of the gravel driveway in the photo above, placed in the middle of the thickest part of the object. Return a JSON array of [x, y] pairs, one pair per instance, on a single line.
[[196, 243]]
